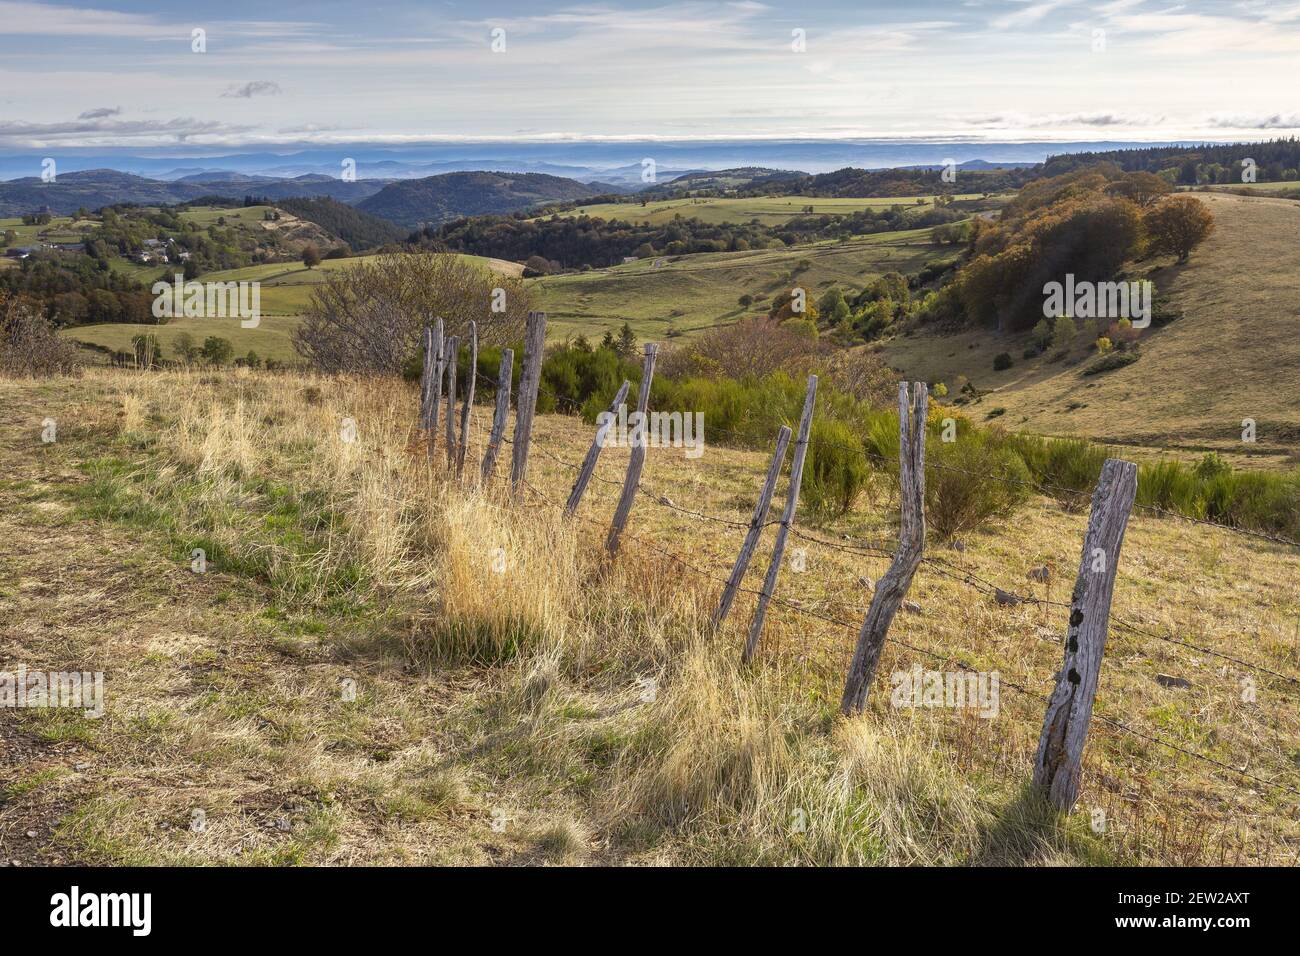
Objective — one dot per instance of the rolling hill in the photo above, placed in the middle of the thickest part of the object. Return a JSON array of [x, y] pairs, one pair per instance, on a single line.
[[95, 188], [437, 199], [685, 295], [1235, 353]]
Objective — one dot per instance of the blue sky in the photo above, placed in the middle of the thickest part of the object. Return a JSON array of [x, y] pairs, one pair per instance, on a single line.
[[121, 73]]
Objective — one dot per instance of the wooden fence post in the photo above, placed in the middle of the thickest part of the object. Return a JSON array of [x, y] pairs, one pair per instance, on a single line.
[[526, 405], [426, 341], [1059, 761], [469, 399], [504, 376], [452, 357], [893, 584], [755, 528], [637, 459], [438, 349], [787, 520], [593, 453]]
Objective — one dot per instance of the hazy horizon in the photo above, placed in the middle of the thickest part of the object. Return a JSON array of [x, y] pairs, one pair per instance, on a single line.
[[132, 74]]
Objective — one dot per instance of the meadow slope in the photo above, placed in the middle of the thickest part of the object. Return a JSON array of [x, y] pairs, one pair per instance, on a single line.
[[521, 700]]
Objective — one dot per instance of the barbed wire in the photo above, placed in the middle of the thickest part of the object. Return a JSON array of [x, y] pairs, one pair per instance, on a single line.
[[947, 658], [1049, 489], [941, 566]]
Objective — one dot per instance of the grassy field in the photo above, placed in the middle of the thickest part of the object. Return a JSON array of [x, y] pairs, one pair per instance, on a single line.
[[270, 340], [59, 229], [506, 710], [688, 294], [768, 210], [286, 289], [1265, 189], [1234, 355]]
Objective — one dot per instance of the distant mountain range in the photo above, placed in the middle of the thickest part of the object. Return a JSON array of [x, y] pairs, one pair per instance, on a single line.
[[407, 203], [619, 163], [437, 199], [105, 187]]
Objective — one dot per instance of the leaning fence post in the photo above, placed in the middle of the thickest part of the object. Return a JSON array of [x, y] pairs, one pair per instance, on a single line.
[[434, 399], [787, 520], [755, 528], [469, 399], [504, 376], [453, 356], [893, 584], [593, 453], [1059, 761], [526, 404], [636, 460]]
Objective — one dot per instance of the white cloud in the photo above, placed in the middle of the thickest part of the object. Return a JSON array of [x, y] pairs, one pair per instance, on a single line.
[[1028, 14]]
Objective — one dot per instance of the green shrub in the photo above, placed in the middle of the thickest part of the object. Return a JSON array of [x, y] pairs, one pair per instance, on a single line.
[[971, 481], [836, 470], [1172, 486], [1112, 361], [572, 376], [1069, 466], [1002, 361]]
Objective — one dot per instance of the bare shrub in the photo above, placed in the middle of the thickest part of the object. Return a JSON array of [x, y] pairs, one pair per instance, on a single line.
[[752, 347], [368, 317], [863, 374], [28, 345]]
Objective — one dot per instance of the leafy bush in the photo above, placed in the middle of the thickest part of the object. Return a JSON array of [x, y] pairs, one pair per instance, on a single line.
[[1002, 361]]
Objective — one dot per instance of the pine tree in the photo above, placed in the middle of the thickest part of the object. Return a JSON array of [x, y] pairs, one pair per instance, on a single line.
[[626, 347]]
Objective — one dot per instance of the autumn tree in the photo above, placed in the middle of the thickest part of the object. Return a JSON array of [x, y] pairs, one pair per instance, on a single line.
[[1144, 189], [1178, 225], [310, 256]]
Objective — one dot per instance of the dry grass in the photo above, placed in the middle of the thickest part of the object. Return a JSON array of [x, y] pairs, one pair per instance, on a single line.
[[519, 699]]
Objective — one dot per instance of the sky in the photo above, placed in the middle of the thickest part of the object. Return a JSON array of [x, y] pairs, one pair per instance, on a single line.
[[129, 73]]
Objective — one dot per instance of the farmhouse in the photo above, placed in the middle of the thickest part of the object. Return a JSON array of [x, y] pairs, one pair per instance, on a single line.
[[22, 252]]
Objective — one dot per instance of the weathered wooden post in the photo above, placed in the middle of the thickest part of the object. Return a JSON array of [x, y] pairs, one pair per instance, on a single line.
[[426, 343], [433, 366], [453, 355], [504, 376], [893, 584], [530, 378], [593, 453], [636, 461], [787, 520], [755, 528], [1059, 761], [469, 399]]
